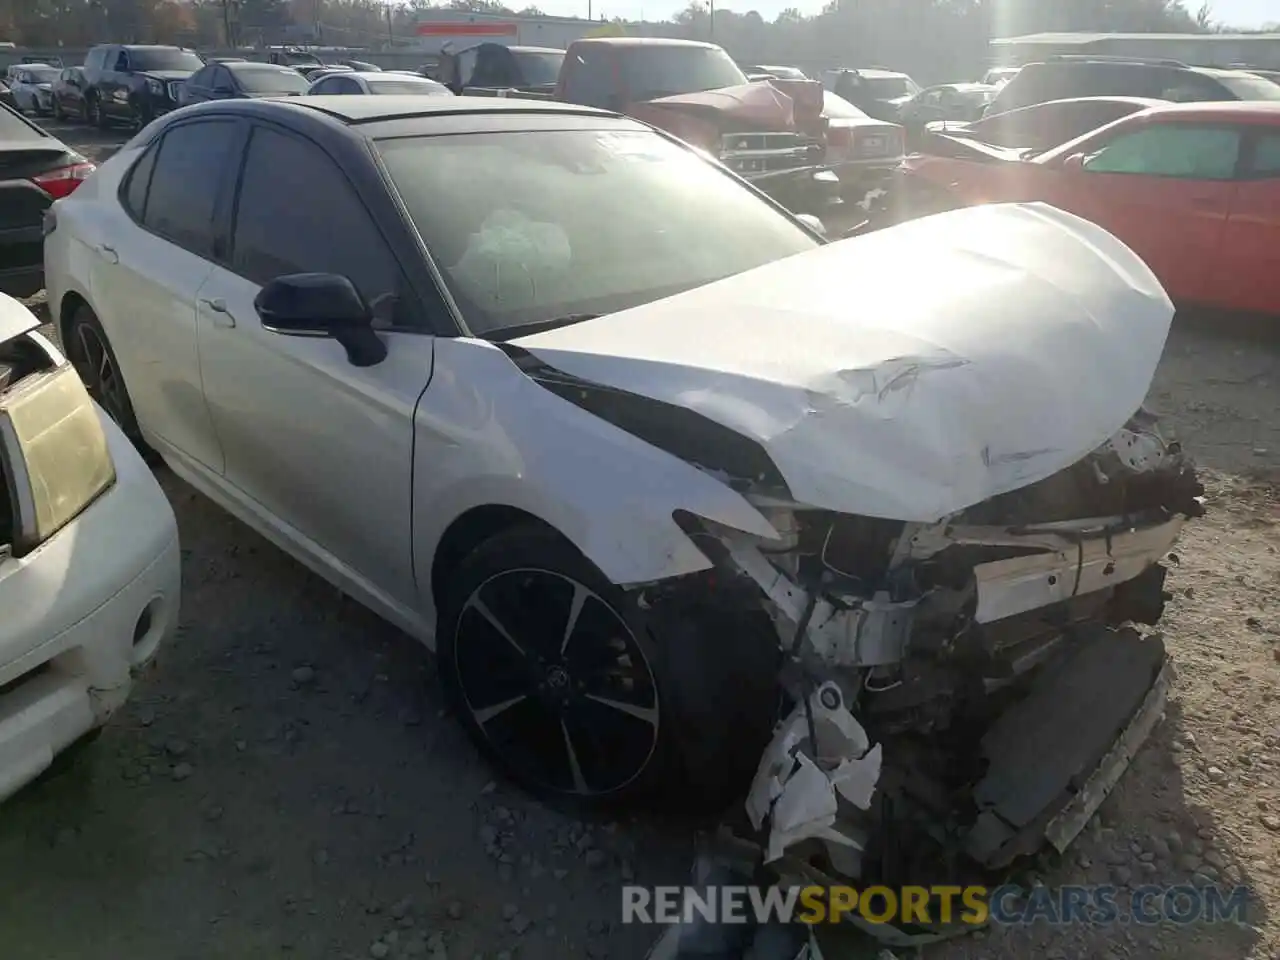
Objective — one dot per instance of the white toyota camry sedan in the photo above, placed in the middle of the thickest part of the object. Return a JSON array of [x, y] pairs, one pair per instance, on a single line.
[[89, 564], [648, 463]]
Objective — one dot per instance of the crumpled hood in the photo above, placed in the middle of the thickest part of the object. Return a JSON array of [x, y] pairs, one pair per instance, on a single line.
[[760, 104], [909, 373]]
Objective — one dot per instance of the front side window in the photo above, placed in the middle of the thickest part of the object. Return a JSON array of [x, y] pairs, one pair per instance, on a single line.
[[651, 72], [1171, 150], [578, 221], [1266, 156], [202, 78], [294, 201], [183, 194]]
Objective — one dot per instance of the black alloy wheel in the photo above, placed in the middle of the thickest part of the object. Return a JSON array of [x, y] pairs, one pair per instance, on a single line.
[[90, 353], [550, 678], [555, 680]]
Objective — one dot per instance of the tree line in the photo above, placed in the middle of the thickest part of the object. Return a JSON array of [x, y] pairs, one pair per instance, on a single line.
[[941, 39]]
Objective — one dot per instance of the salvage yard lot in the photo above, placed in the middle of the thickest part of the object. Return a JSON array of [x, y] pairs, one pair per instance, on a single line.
[[285, 782]]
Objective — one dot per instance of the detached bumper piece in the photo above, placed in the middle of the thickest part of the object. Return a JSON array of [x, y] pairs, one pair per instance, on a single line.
[[1055, 755]]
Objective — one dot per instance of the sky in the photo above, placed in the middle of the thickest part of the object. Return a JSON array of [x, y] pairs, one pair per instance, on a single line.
[[1237, 13]]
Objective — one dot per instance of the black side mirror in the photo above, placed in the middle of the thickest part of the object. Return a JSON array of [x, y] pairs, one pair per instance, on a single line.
[[321, 305]]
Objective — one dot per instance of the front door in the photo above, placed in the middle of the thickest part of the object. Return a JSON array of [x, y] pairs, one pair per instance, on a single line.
[[1165, 189], [1247, 277], [323, 448]]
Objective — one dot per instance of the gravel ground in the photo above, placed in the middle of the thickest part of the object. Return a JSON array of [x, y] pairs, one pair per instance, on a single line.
[[286, 783]]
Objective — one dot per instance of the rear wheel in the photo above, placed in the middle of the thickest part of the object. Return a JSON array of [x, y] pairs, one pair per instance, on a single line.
[[58, 113], [90, 352]]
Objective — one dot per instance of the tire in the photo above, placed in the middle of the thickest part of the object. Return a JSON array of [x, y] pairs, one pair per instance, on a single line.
[[94, 114], [86, 345], [58, 113], [143, 113], [610, 690]]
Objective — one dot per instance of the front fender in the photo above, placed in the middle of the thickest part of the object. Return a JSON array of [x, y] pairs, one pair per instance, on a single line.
[[487, 434]]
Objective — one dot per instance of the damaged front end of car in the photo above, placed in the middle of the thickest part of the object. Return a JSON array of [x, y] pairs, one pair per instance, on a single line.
[[960, 693], [965, 526]]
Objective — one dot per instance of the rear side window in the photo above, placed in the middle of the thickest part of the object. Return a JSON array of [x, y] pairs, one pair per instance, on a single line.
[[135, 189], [1171, 150], [183, 194]]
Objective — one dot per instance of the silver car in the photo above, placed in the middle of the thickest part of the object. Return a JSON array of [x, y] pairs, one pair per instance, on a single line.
[[32, 88]]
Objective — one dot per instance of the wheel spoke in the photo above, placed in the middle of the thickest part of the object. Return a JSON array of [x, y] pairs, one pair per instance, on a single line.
[[580, 595], [479, 606], [648, 714], [488, 713], [575, 768]]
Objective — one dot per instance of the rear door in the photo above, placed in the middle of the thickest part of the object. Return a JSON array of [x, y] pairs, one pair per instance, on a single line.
[[1247, 276], [1165, 189], [150, 265]]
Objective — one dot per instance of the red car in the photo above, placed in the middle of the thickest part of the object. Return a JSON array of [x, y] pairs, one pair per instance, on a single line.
[[1192, 188]]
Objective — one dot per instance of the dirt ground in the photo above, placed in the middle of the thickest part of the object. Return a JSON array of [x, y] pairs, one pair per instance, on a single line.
[[285, 782]]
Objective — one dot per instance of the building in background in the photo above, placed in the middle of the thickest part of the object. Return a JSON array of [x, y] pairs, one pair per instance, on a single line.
[[1199, 49], [464, 29]]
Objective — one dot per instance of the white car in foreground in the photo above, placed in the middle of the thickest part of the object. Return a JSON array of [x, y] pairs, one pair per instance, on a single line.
[[644, 459], [89, 564]]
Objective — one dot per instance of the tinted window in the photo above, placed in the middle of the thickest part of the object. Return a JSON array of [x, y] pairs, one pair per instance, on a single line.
[[576, 221], [1266, 155], [122, 61], [202, 78], [542, 68], [660, 71], [297, 213], [590, 78], [184, 186], [267, 79], [1171, 150], [161, 58], [135, 190]]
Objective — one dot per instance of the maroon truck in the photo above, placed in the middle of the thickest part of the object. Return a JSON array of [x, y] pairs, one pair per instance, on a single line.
[[771, 133]]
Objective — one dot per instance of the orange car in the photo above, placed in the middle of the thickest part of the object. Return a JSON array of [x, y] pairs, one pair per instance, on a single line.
[[1192, 188]]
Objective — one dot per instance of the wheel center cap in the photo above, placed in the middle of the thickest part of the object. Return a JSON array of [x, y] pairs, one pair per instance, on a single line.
[[558, 678]]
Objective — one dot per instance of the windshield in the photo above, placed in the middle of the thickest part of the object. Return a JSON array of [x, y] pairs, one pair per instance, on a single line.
[[785, 73], [266, 79], [1248, 87], [42, 74], [578, 221], [658, 71], [838, 108], [539, 68], [889, 88], [164, 60], [423, 87]]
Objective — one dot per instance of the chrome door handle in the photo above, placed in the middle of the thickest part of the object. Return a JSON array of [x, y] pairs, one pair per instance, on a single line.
[[108, 253], [219, 314]]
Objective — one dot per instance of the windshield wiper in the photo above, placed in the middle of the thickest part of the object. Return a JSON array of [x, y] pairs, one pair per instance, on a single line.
[[502, 334]]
